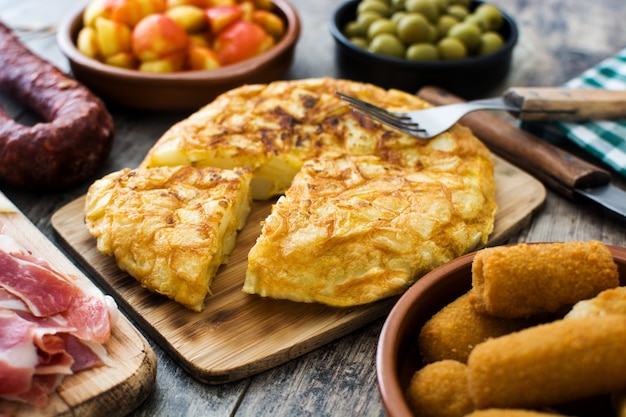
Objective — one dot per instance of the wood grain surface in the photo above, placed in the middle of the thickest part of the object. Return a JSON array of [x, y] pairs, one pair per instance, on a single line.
[[562, 104], [238, 335], [107, 391], [559, 39]]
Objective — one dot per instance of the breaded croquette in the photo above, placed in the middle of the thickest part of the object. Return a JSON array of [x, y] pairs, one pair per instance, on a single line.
[[508, 412], [453, 332], [550, 364], [440, 390], [619, 403], [611, 301], [526, 279]]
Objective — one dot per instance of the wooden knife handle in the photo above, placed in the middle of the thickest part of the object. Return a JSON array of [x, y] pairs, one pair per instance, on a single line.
[[555, 167], [548, 103]]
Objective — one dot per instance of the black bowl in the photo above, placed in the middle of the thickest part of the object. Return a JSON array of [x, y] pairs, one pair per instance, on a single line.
[[469, 78]]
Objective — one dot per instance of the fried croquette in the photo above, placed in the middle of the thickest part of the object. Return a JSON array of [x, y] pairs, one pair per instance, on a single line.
[[453, 332], [526, 279], [550, 364], [508, 412], [440, 390], [618, 400], [611, 301]]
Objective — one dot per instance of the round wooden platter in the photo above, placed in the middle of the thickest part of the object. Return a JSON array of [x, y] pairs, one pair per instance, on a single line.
[[107, 391], [238, 335]]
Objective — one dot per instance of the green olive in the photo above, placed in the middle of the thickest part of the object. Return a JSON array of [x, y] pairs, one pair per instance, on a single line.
[[444, 24], [397, 5], [380, 26], [433, 34], [359, 41], [467, 33], [458, 11], [368, 16], [424, 7], [426, 29], [395, 18], [374, 6], [490, 42], [365, 20], [440, 5], [352, 29], [422, 52], [387, 44], [477, 20], [450, 48], [491, 14], [413, 28]]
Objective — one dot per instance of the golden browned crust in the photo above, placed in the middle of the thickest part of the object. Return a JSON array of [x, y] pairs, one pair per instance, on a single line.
[[273, 128], [611, 301], [435, 199], [171, 227], [352, 230], [550, 364], [525, 279], [440, 390], [509, 412], [454, 330]]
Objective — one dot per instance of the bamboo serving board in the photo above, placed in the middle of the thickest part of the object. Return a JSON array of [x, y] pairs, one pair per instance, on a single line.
[[238, 335], [106, 391]]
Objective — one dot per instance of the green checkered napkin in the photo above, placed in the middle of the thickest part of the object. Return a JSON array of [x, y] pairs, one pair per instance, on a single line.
[[606, 140]]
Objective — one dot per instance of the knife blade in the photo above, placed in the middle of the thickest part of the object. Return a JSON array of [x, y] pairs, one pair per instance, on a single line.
[[609, 196], [558, 169]]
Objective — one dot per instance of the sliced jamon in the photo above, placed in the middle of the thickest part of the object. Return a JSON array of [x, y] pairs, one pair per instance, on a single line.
[[53, 356], [51, 325], [18, 354], [40, 288], [41, 388], [86, 355], [11, 302]]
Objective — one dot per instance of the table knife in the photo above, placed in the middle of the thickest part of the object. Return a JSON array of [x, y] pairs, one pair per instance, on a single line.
[[564, 104], [558, 169]]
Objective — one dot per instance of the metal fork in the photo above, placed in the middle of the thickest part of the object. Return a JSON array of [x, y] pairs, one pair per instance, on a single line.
[[426, 123]]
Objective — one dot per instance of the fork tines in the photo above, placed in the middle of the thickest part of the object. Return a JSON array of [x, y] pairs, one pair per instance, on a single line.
[[397, 121]]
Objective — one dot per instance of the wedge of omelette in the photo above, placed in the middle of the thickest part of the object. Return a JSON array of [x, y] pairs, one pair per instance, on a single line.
[[355, 229], [170, 227]]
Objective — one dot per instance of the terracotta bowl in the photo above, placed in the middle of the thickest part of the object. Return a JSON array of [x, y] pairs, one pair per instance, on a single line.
[[469, 78], [397, 357], [187, 90]]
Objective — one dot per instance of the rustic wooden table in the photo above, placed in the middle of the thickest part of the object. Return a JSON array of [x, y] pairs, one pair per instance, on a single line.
[[558, 40]]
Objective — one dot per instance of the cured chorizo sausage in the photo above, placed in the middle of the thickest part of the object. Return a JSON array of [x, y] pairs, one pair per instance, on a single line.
[[75, 136]]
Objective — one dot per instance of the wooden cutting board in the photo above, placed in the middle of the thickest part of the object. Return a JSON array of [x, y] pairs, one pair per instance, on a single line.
[[238, 335], [105, 391]]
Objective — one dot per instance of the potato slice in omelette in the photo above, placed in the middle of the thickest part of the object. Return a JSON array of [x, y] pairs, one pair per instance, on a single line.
[[355, 229], [170, 227], [273, 128]]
